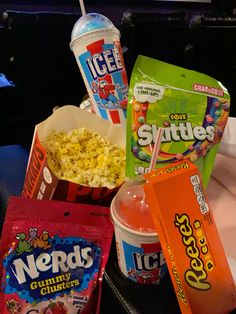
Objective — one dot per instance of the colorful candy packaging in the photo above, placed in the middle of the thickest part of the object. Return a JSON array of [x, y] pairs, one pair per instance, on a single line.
[[53, 256], [191, 107], [190, 240]]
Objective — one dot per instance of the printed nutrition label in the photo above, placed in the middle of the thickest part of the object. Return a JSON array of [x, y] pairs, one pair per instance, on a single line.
[[196, 183]]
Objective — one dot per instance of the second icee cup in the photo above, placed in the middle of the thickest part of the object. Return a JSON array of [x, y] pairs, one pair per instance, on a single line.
[[139, 253], [96, 45]]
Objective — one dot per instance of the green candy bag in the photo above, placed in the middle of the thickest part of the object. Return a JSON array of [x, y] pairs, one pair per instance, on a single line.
[[192, 108]]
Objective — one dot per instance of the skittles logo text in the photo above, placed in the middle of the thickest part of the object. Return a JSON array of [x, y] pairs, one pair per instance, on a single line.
[[107, 61], [184, 131], [197, 274]]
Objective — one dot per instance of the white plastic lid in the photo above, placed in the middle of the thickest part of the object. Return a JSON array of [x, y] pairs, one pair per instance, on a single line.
[[131, 209]]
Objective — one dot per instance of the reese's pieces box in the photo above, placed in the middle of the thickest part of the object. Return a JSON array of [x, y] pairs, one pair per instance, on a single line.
[[190, 241]]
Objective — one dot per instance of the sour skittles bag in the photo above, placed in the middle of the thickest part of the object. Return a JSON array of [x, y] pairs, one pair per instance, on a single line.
[[53, 256], [191, 107]]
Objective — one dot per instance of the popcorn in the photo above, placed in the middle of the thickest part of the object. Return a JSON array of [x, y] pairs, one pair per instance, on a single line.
[[85, 158]]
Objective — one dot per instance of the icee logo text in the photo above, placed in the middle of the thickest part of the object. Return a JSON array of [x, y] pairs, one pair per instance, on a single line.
[[107, 61], [148, 261]]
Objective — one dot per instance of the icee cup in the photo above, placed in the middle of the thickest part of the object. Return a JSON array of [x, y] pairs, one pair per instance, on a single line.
[[139, 253], [95, 43], [41, 182]]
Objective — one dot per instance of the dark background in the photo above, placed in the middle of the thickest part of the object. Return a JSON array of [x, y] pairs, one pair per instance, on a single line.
[[35, 55], [41, 72]]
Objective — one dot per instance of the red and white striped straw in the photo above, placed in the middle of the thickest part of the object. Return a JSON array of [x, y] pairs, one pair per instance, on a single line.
[[156, 149]]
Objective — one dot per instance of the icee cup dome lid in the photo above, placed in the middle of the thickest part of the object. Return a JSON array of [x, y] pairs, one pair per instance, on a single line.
[[91, 22]]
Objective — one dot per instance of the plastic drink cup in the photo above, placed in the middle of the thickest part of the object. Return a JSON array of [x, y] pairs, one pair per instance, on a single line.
[[139, 253], [95, 43]]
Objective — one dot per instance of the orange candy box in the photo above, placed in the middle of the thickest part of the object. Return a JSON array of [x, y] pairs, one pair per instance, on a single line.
[[190, 241]]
